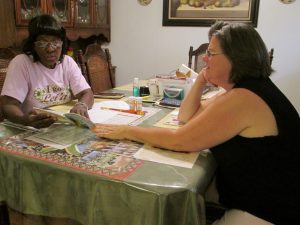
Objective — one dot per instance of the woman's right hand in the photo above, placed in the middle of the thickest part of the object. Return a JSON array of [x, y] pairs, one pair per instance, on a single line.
[[192, 102], [201, 78], [11, 109], [39, 120]]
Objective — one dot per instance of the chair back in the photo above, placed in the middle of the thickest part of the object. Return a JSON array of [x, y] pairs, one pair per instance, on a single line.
[[6, 55], [271, 53], [195, 57], [96, 67], [3, 69]]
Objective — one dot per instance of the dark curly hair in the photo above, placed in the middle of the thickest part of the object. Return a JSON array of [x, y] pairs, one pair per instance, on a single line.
[[44, 25], [246, 50]]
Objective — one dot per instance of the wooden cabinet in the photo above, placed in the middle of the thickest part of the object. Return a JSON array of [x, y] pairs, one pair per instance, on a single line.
[[81, 18]]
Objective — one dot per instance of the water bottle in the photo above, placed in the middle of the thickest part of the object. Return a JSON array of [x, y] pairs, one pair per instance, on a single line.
[[136, 87]]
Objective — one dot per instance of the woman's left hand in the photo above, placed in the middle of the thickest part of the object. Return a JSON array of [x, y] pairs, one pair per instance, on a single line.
[[81, 109], [110, 131]]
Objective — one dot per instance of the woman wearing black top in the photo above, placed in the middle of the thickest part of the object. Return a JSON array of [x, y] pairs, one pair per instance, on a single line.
[[252, 130]]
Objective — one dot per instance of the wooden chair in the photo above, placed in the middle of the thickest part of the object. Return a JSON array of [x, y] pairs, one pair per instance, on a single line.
[[6, 54], [197, 64], [271, 53], [3, 69], [96, 67]]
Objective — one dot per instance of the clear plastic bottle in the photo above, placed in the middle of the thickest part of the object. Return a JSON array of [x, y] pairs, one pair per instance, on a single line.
[[136, 87], [139, 105], [131, 102]]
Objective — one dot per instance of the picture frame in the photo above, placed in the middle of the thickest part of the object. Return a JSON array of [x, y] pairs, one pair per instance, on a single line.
[[181, 13]]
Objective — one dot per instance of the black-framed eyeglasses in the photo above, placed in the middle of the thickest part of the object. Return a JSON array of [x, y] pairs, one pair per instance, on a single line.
[[45, 44], [211, 54]]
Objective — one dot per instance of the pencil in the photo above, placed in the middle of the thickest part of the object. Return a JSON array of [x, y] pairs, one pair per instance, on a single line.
[[125, 110]]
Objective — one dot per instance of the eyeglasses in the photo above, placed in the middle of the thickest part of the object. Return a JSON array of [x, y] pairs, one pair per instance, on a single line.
[[211, 54], [45, 44]]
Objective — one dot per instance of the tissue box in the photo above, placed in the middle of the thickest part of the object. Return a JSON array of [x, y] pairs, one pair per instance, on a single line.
[[176, 93], [171, 83]]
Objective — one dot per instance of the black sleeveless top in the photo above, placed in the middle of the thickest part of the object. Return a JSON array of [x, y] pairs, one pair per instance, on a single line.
[[262, 175]]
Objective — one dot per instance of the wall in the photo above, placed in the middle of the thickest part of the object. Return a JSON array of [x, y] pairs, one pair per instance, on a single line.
[[141, 47]]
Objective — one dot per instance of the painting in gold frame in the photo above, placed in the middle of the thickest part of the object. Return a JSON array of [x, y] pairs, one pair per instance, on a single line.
[[206, 12]]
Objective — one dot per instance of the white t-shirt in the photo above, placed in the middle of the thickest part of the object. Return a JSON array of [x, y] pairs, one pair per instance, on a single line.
[[35, 85]]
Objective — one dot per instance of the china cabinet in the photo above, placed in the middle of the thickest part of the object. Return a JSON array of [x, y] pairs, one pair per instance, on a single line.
[[81, 18]]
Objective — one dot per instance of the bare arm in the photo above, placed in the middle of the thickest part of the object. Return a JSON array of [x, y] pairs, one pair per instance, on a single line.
[[221, 120], [11, 109], [192, 104], [85, 102]]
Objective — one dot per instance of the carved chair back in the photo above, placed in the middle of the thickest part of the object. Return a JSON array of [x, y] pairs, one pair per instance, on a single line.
[[96, 67], [195, 57]]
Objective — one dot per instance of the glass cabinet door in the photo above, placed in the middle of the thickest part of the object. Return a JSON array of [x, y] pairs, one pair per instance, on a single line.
[[27, 10], [82, 18], [102, 12], [61, 9], [83, 13]]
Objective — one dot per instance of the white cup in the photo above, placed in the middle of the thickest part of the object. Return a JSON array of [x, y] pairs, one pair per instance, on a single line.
[[153, 87]]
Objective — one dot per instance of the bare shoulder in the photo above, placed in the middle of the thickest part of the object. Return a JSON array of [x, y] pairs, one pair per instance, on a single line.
[[240, 96], [240, 105], [251, 110], [236, 97]]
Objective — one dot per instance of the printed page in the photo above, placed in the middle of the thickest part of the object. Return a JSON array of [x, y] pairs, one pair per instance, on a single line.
[[59, 115], [180, 159], [98, 115], [111, 104], [79, 120], [122, 118], [170, 120], [61, 135]]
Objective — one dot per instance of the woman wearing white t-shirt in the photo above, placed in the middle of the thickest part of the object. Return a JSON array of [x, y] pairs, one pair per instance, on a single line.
[[43, 76]]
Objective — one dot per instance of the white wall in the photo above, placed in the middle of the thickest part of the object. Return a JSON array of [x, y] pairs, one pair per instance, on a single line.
[[141, 47]]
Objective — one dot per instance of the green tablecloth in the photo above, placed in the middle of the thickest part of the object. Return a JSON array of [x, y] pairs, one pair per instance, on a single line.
[[155, 194]]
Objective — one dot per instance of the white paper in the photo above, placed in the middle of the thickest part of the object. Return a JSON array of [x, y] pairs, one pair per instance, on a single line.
[[122, 118], [98, 115], [180, 159], [112, 104]]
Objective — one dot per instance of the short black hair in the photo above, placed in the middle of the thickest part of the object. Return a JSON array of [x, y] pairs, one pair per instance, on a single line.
[[44, 25], [246, 50]]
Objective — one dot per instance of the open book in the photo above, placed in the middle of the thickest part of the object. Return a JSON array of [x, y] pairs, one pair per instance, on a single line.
[[70, 118], [184, 71]]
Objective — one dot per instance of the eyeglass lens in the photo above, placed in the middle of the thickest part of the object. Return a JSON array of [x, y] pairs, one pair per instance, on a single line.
[[44, 44]]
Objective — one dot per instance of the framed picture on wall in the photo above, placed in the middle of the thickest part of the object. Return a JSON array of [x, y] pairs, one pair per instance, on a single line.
[[206, 12]]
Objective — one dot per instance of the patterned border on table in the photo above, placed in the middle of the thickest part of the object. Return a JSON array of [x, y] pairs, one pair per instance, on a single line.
[[107, 160]]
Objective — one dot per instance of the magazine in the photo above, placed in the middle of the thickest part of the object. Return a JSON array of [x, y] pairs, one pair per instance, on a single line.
[[69, 118]]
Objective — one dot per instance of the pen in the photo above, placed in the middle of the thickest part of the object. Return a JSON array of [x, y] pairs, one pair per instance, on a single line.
[[125, 110]]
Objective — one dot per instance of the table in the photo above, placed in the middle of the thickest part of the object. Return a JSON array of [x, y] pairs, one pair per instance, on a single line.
[[154, 194]]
